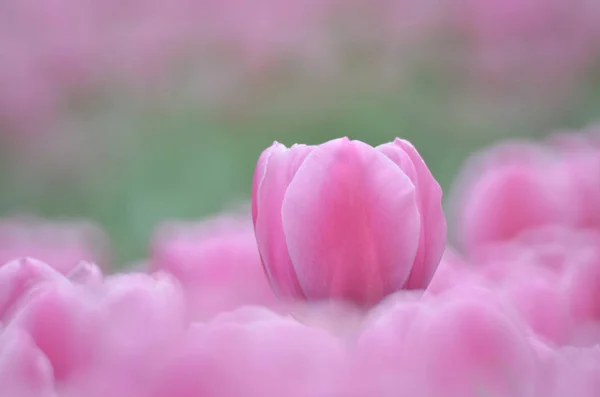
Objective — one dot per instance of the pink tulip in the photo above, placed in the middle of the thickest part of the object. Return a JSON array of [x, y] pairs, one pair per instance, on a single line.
[[24, 370], [18, 277], [139, 318], [550, 276], [216, 261], [56, 312], [60, 319], [470, 347], [507, 190], [460, 344], [347, 221]]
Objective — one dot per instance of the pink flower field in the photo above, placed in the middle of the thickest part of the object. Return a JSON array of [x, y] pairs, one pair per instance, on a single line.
[[343, 285], [300, 198]]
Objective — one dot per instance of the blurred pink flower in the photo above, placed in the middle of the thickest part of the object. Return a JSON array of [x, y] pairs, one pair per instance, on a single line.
[[459, 344], [508, 189], [217, 262], [347, 221], [548, 275], [18, 277], [60, 319]]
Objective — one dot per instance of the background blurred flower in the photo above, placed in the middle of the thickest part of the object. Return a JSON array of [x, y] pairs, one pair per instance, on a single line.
[[217, 262], [509, 189], [532, 39]]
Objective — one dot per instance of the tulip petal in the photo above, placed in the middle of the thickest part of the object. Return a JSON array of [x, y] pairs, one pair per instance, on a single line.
[[433, 227], [24, 370], [280, 168], [351, 223], [259, 174]]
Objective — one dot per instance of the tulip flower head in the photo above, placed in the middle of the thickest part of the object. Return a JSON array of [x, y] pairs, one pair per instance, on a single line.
[[346, 221]]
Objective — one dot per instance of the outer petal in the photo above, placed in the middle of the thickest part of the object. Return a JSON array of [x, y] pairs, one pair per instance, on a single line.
[[351, 223], [433, 221], [259, 173], [24, 370], [397, 154], [60, 319], [281, 167], [18, 277]]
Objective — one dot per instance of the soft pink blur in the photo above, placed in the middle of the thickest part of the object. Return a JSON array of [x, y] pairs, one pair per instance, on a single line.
[[56, 52], [62, 244], [548, 41]]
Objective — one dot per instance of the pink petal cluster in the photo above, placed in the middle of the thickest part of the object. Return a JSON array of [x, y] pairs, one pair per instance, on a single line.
[[517, 315]]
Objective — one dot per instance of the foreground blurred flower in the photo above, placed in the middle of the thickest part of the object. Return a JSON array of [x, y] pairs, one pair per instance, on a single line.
[[24, 371], [462, 344], [268, 356], [347, 221]]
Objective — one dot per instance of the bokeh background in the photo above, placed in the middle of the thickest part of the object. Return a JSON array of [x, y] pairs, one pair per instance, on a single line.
[[130, 112]]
